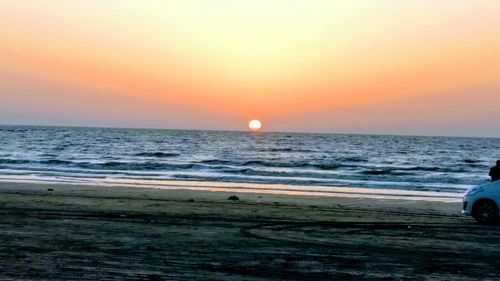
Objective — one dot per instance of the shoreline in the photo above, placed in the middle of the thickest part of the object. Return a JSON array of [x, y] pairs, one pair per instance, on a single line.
[[75, 193], [259, 188], [193, 192]]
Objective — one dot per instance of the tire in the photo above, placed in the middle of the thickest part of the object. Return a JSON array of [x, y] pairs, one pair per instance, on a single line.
[[485, 212]]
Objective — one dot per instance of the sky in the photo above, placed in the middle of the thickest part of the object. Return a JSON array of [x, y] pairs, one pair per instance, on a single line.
[[376, 67]]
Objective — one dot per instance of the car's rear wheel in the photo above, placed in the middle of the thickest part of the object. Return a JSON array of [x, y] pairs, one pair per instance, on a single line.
[[485, 212]]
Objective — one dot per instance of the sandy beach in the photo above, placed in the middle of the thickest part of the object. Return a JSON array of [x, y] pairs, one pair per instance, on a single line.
[[71, 232]]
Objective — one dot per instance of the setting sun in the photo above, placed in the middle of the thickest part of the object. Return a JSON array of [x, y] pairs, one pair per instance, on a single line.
[[255, 125]]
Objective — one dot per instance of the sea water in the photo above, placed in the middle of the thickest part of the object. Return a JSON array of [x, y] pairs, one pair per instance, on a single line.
[[104, 155]]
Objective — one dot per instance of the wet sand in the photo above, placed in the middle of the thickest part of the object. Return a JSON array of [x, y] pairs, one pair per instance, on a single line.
[[69, 232]]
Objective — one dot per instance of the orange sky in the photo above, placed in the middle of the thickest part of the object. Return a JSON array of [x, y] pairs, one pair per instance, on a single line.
[[314, 65]]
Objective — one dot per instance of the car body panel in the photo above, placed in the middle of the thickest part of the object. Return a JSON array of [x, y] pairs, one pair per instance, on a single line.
[[488, 191]]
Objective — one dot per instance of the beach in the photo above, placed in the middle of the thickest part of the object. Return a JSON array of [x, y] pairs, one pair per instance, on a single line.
[[76, 232]]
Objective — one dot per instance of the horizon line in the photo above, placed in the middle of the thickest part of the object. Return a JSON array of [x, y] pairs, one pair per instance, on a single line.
[[245, 131]]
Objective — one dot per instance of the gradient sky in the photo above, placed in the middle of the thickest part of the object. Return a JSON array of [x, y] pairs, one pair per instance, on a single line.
[[387, 67]]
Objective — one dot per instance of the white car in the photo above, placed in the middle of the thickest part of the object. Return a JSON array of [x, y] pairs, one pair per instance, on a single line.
[[482, 202]]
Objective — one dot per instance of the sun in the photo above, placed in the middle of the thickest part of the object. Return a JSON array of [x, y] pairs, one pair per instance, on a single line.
[[255, 125]]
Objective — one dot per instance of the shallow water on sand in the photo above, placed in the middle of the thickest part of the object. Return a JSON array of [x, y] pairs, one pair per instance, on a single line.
[[99, 155]]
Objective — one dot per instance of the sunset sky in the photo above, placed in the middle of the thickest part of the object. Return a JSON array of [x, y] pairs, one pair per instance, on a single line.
[[384, 67]]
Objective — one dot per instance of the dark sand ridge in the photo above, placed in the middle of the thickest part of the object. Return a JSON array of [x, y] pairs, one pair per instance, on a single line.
[[94, 233]]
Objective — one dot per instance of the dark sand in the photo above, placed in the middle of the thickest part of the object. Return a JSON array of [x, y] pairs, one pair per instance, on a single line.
[[92, 233]]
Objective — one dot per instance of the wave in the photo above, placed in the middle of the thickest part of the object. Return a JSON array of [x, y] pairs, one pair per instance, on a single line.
[[212, 164], [277, 164], [386, 172], [157, 154], [402, 171], [282, 149], [113, 165], [350, 159], [377, 172], [328, 166], [134, 166], [52, 162], [43, 162], [275, 150], [422, 186], [281, 174], [14, 161], [215, 162]]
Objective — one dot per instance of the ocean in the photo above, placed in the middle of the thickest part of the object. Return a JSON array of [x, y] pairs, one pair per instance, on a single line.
[[107, 155]]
